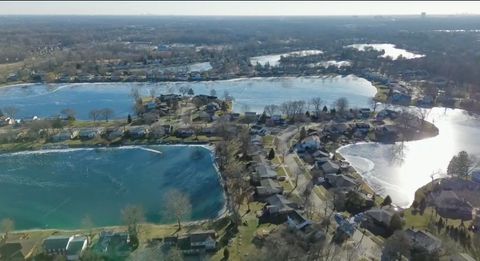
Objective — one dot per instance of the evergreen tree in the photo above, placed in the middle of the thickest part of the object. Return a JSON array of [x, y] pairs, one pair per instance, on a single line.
[[387, 201], [129, 119], [271, 154]]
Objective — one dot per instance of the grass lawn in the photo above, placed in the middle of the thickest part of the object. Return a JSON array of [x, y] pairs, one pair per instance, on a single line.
[[268, 141], [242, 245], [421, 221]]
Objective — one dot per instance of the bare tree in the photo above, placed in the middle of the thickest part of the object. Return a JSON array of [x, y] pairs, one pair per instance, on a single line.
[[10, 111], [106, 113], [271, 109], [95, 114], [132, 217], [177, 205], [317, 102], [341, 105], [7, 225], [68, 113]]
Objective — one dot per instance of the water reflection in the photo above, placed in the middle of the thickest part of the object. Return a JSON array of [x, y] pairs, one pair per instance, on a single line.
[[415, 161]]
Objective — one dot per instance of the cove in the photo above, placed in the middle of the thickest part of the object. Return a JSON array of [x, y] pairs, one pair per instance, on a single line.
[[58, 188]]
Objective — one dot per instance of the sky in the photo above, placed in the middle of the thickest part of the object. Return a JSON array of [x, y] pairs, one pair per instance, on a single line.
[[241, 8]]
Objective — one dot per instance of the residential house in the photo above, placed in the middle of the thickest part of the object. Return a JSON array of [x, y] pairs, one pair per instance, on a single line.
[[204, 239], [75, 247], [378, 221], [62, 136], [276, 209], [56, 245], [296, 221], [268, 187], [311, 143], [329, 167], [449, 205], [204, 116], [250, 116], [184, 133], [423, 239], [71, 247], [262, 171], [11, 251], [137, 132], [341, 180], [170, 240], [212, 107], [115, 134], [400, 98], [12, 77], [365, 112], [89, 133], [114, 243]]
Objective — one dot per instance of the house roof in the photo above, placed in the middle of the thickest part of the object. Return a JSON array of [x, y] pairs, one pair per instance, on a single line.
[[423, 238], [296, 218], [56, 242], [11, 251], [202, 236], [449, 199], [75, 246], [340, 180], [278, 201], [329, 167], [265, 172], [380, 215]]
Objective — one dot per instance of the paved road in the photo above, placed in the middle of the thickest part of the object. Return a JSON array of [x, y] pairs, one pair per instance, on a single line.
[[362, 246]]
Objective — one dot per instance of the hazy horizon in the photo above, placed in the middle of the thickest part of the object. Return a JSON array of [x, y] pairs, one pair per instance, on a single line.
[[241, 8]]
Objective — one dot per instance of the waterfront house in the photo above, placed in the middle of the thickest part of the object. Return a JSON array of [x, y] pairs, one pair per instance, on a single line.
[[296, 221], [329, 167], [115, 134], [137, 132], [62, 136], [89, 133], [114, 243], [341, 180], [56, 245], [75, 247], [424, 240], [184, 133], [203, 239], [449, 205], [71, 247]]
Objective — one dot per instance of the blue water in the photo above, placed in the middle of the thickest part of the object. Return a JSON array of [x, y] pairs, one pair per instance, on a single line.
[[252, 94], [57, 188]]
